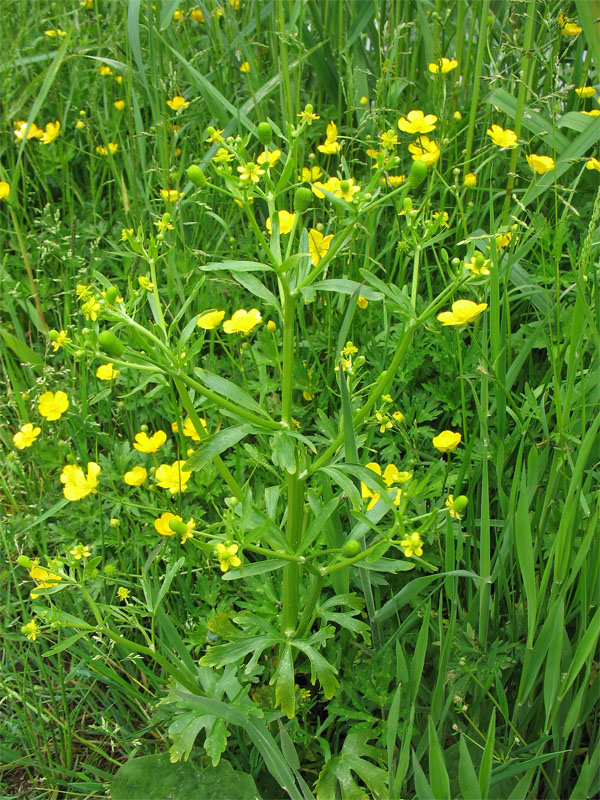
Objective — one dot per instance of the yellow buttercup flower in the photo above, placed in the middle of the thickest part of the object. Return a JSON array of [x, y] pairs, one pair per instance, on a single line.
[[136, 476], [149, 444], [4, 189], [170, 195], [26, 436], [470, 180], [59, 340], [210, 319], [214, 135], [347, 189], [593, 163], [90, 309], [223, 156], [162, 523], [446, 441], [111, 148], [389, 139], [391, 475], [54, 33], [318, 245], [145, 283], [331, 144], [31, 630], [227, 556], [53, 405], [242, 321], [250, 172], [463, 312], [105, 70], [307, 115], [51, 132], [384, 422], [80, 552], [540, 164], [105, 372], [44, 578], [393, 180], [245, 66], [456, 506], [33, 133], [286, 221], [178, 15], [362, 302], [270, 157], [189, 429], [444, 65], [119, 105], [197, 15], [568, 28], [77, 484], [412, 545], [424, 149], [177, 103], [174, 477], [417, 122], [501, 137], [585, 91], [123, 593], [595, 112]]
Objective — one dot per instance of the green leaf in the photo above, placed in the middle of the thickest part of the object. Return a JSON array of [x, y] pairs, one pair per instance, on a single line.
[[438, 774], [230, 390], [167, 581], [22, 351], [524, 548], [214, 445], [285, 692], [588, 12], [467, 777], [257, 568], [156, 778], [257, 288], [64, 645], [422, 787], [418, 660], [320, 668], [236, 266], [282, 452], [485, 768], [587, 643], [342, 286]]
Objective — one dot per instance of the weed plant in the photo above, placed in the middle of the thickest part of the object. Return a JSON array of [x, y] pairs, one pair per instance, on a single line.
[[299, 334]]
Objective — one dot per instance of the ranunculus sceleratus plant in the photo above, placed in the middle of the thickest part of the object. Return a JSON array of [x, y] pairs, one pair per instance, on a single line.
[[297, 260]]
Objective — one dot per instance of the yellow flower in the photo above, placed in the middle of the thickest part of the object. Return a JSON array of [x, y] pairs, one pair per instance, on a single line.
[[214, 135], [210, 319], [318, 245], [417, 122], [77, 484], [390, 476], [51, 132], [442, 216], [178, 15], [347, 189], [478, 265], [119, 79], [245, 66], [242, 321], [31, 630], [145, 283], [456, 506], [446, 441], [384, 421], [270, 156], [223, 156], [501, 137], [123, 593], [463, 312], [568, 28], [162, 523], [393, 180], [424, 149], [80, 552], [105, 70], [331, 185], [111, 148], [540, 164], [59, 340], [174, 477], [170, 195], [310, 174], [412, 545], [593, 163], [45, 578], [331, 144], [227, 556], [362, 302], [177, 103], [90, 309], [4, 189], [105, 372], [54, 33], [33, 133], [119, 105], [249, 171], [53, 405], [443, 66], [136, 476], [272, 326], [585, 91], [595, 112], [26, 435], [286, 221], [389, 139], [307, 115], [149, 444], [197, 15], [190, 431], [504, 239], [398, 417], [470, 180]]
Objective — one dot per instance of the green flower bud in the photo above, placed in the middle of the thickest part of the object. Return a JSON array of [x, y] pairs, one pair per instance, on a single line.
[[25, 561], [265, 133], [177, 526], [196, 176], [302, 199], [351, 548], [460, 503], [417, 173], [455, 262], [110, 345], [111, 294]]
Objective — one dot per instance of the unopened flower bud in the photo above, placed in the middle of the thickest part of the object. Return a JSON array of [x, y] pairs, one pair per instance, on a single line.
[[265, 133], [196, 176], [302, 199], [25, 561]]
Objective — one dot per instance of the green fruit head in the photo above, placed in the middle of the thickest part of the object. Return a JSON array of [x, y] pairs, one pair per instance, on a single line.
[[196, 176], [109, 344], [417, 174], [351, 548], [302, 199], [265, 133]]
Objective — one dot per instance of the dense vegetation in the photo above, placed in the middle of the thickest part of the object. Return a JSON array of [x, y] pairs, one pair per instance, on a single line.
[[299, 445]]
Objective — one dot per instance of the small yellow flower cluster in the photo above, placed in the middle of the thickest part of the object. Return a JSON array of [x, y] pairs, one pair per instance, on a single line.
[[391, 475], [51, 406], [49, 134]]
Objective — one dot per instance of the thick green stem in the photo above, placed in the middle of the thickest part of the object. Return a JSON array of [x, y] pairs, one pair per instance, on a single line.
[[287, 378], [309, 607], [473, 113], [291, 572]]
